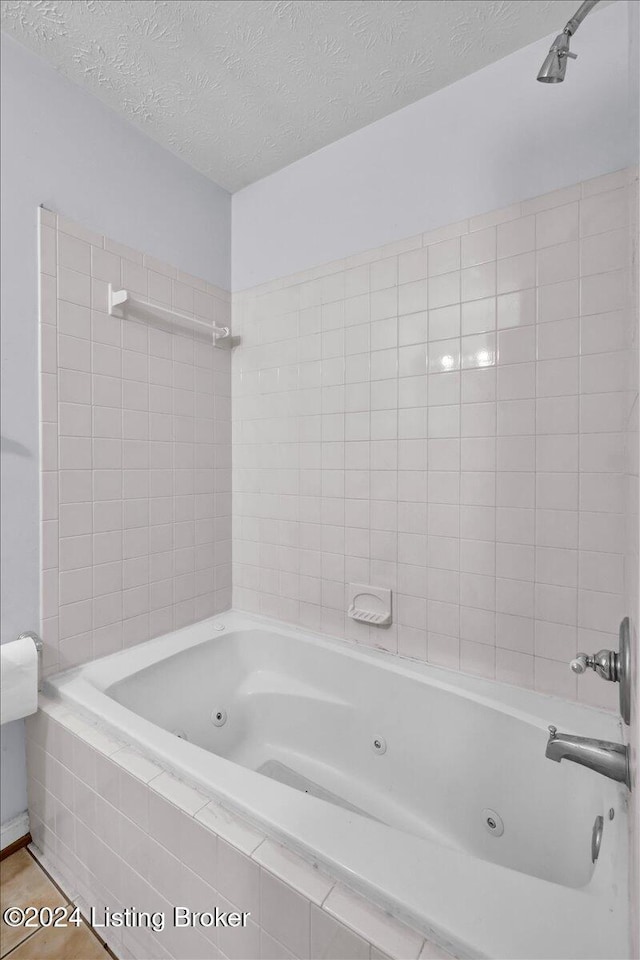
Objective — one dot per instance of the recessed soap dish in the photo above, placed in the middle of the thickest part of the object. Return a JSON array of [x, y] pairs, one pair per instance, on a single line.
[[369, 604]]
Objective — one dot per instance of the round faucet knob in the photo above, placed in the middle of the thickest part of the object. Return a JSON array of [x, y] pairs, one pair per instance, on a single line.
[[552, 732], [579, 665]]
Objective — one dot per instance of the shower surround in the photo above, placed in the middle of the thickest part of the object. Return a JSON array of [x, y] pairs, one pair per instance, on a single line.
[[446, 416], [135, 451]]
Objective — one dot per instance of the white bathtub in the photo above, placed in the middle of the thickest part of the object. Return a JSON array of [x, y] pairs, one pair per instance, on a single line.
[[403, 822]]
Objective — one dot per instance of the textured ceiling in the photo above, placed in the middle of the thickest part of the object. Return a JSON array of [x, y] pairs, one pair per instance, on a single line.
[[240, 88]]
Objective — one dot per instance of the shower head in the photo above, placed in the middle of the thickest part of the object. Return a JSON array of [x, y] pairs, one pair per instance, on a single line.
[[555, 63]]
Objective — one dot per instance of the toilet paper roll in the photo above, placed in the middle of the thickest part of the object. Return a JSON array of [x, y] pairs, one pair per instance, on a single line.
[[18, 679]]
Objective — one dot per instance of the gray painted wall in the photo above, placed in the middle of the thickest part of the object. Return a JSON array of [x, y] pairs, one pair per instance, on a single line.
[[63, 148], [488, 140]]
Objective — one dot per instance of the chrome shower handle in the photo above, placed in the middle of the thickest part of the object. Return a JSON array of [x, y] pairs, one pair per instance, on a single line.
[[579, 664], [611, 665], [604, 663]]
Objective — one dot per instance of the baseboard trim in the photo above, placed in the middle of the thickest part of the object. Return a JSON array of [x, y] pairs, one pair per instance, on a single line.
[[14, 834]]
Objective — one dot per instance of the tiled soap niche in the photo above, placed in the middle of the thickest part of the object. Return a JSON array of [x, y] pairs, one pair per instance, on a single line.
[[135, 450], [446, 416], [116, 830]]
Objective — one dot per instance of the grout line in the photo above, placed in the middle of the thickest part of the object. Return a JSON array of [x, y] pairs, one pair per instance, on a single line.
[[68, 902], [21, 943], [48, 875]]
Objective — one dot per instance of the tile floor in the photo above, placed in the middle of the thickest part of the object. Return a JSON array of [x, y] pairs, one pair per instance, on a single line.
[[24, 883]]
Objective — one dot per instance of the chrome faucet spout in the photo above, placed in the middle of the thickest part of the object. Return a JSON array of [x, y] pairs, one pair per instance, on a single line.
[[605, 757]]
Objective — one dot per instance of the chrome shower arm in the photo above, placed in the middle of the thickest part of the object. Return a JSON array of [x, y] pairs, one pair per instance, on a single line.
[[579, 15]]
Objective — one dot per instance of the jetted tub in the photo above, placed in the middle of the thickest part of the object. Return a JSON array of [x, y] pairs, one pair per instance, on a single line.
[[426, 790]]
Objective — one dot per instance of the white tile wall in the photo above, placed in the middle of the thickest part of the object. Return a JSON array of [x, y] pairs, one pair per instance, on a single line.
[[116, 830], [445, 416], [135, 452]]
